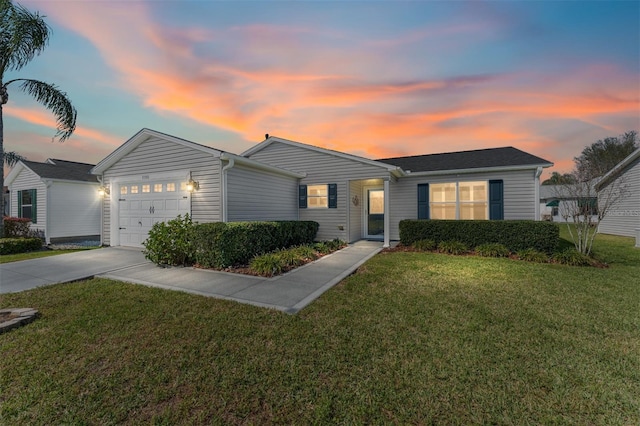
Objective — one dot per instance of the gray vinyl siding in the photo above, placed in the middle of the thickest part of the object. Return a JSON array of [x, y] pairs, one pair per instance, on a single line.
[[322, 168], [258, 195], [157, 155], [624, 218], [25, 180], [519, 195], [355, 212]]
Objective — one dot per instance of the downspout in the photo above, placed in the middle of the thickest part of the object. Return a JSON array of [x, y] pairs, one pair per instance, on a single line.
[[100, 180], [537, 191], [47, 222], [224, 188], [387, 218]]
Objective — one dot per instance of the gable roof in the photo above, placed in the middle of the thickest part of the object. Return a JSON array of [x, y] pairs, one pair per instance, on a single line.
[[506, 157], [272, 139], [56, 169], [615, 172], [144, 134]]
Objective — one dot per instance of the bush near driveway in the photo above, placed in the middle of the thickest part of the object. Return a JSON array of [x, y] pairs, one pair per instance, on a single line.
[[19, 245]]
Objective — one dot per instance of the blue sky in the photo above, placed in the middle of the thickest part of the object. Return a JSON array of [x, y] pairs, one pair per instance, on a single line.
[[373, 78]]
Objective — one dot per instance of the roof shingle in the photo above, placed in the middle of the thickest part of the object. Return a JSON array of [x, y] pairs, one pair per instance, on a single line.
[[63, 170]]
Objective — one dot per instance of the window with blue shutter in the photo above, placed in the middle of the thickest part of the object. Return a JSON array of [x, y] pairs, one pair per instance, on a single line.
[[302, 196], [423, 201], [496, 200], [333, 195]]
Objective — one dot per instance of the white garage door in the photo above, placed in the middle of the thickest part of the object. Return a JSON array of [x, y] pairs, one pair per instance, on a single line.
[[141, 204]]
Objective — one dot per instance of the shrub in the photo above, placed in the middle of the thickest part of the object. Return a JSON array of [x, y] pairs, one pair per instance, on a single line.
[[16, 227], [171, 243], [19, 245], [424, 245], [533, 255], [306, 252], [572, 257], [492, 250], [220, 245], [513, 234], [267, 265], [452, 247]]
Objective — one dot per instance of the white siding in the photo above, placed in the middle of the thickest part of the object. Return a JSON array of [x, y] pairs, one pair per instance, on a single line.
[[159, 156], [355, 212], [26, 179], [74, 210], [321, 168], [258, 195], [624, 218], [519, 195]]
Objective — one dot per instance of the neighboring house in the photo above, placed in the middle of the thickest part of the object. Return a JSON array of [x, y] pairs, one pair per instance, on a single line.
[[60, 197], [558, 202], [351, 197], [623, 218]]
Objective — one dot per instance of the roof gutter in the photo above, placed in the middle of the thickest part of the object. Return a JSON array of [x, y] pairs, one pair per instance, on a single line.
[[229, 165], [479, 170]]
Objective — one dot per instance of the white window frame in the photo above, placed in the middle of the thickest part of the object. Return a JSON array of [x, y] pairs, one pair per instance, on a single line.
[[458, 203]]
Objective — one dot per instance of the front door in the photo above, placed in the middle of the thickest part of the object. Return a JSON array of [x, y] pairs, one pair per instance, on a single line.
[[374, 213]]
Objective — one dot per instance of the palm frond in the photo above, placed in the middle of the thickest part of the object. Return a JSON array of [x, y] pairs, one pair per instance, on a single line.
[[10, 158], [23, 35], [54, 100]]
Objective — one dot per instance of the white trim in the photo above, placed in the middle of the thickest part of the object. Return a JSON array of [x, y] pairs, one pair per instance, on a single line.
[[618, 168], [536, 183], [387, 218], [365, 209], [260, 166], [478, 170], [140, 137], [260, 146]]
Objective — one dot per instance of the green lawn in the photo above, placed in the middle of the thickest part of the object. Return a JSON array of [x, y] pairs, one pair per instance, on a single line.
[[6, 258], [412, 338]]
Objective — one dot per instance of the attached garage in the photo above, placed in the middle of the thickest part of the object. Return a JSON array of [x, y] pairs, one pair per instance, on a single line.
[[147, 181], [141, 204]]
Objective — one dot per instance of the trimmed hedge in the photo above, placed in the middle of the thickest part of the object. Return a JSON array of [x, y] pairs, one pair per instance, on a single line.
[[16, 227], [220, 245], [19, 245], [513, 234]]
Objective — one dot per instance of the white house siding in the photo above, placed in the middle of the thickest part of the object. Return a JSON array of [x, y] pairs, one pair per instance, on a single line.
[[321, 168], [518, 196], [258, 195], [74, 210], [624, 218], [159, 156], [26, 179]]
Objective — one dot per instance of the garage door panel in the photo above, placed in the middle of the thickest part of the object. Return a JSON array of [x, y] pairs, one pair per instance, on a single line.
[[140, 210]]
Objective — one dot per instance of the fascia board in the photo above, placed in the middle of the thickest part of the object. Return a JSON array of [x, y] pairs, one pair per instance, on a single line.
[[477, 170], [140, 137], [619, 167], [260, 166], [344, 155]]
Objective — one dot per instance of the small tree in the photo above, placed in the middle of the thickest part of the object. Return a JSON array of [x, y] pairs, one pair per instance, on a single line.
[[582, 207]]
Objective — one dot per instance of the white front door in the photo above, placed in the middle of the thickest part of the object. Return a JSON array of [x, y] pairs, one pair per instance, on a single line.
[[374, 213], [141, 204]]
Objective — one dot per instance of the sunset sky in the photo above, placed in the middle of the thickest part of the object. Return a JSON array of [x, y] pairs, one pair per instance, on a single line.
[[372, 78]]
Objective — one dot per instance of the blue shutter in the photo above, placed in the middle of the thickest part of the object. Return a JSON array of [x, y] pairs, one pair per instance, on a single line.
[[333, 195], [496, 200], [302, 196], [423, 201]]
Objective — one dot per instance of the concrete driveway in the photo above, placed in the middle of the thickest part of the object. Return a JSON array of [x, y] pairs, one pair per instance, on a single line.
[[28, 274], [289, 292]]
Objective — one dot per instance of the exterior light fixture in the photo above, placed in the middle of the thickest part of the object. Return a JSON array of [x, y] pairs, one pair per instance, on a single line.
[[192, 185], [103, 190]]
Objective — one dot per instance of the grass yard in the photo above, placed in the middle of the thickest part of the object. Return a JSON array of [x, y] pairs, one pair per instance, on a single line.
[[6, 258], [411, 338]]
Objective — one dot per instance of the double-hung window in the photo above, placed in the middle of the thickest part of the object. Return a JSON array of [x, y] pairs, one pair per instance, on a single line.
[[459, 200], [27, 205]]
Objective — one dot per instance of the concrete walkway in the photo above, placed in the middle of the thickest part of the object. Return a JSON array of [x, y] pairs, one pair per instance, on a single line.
[[289, 293]]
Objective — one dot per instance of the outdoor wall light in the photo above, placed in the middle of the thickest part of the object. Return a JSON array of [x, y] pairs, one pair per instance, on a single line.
[[103, 190], [192, 185]]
